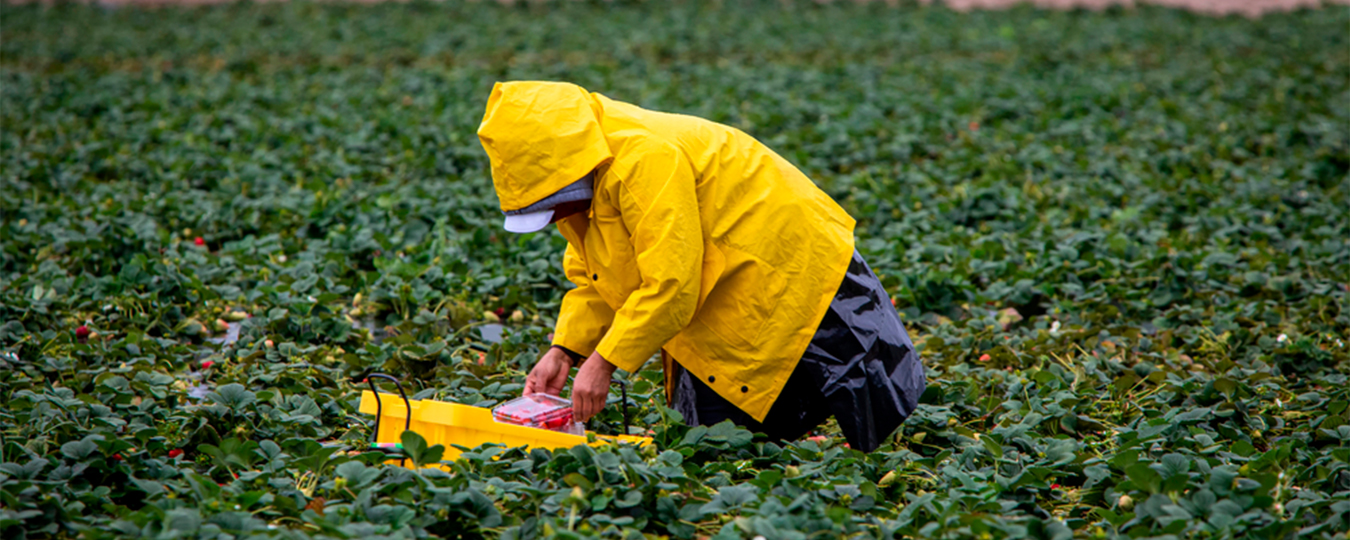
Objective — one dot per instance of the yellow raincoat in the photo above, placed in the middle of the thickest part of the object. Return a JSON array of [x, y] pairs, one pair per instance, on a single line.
[[700, 241]]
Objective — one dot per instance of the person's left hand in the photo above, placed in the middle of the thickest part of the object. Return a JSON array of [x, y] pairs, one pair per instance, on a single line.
[[590, 388]]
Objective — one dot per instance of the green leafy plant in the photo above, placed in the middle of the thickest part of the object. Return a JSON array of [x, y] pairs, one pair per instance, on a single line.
[[1117, 238]]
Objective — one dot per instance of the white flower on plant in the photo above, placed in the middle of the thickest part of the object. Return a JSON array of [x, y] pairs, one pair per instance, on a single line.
[[1282, 338], [1054, 328]]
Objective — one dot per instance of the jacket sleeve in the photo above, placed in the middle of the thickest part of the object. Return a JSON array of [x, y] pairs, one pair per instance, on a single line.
[[661, 212], [584, 317]]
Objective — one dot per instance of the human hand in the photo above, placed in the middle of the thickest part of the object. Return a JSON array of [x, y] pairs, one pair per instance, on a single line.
[[549, 375], [590, 390]]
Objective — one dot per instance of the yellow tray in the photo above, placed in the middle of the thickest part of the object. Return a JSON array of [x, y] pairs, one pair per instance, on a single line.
[[449, 424]]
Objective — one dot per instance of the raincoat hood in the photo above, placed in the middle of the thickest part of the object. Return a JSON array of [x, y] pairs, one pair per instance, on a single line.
[[540, 137]]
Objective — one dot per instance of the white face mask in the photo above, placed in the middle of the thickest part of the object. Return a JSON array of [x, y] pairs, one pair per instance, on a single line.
[[538, 215]]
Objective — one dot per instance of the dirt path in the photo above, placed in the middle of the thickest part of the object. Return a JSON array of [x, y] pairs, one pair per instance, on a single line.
[[1249, 8]]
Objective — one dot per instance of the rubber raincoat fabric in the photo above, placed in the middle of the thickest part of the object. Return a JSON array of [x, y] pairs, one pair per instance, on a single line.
[[700, 241], [861, 367]]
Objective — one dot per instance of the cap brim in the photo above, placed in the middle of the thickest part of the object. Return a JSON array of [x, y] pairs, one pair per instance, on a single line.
[[528, 223]]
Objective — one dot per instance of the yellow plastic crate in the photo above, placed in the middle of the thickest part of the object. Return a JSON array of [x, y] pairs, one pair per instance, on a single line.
[[450, 424]]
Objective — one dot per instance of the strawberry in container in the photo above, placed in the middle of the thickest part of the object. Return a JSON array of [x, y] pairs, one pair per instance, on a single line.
[[538, 411]]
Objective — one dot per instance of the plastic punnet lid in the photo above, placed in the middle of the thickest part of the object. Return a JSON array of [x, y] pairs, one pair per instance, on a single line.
[[535, 410]]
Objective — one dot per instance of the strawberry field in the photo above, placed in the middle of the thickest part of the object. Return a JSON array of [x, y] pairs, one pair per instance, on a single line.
[[1121, 240]]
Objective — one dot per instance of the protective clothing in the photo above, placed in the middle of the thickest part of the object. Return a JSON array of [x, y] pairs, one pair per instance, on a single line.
[[699, 240], [861, 367]]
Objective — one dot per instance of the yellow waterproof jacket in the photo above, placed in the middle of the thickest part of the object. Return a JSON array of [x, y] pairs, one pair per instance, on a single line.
[[699, 241]]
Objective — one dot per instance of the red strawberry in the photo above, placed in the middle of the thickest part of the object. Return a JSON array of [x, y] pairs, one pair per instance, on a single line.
[[1054, 486], [175, 452], [82, 333], [199, 241], [206, 364], [985, 357], [117, 457]]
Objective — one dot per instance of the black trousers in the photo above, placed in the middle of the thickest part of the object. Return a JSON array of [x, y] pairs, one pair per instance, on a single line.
[[860, 367]]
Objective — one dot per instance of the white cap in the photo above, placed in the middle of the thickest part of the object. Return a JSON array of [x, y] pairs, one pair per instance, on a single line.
[[528, 223]]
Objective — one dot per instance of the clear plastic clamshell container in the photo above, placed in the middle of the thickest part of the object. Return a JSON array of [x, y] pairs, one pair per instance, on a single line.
[[539, 411]]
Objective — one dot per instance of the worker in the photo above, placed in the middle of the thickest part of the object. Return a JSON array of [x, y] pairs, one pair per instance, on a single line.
[[691, 238]]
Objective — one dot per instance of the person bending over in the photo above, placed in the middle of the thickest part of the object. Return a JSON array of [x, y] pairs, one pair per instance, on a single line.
[[691, 238]]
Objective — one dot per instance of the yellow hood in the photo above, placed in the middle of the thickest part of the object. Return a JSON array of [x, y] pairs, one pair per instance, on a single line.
[[540, 137]]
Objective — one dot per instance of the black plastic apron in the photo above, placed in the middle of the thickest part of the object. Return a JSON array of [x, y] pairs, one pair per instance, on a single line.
[[860, 367]]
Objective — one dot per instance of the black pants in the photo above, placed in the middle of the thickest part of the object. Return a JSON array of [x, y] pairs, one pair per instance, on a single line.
[[860, 367]]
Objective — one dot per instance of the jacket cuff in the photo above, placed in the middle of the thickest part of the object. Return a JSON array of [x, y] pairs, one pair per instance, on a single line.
[[575, 356], [575, 348], [628, 360]]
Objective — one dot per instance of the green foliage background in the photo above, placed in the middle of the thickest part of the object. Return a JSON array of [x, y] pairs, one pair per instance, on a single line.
[[1121, 240]]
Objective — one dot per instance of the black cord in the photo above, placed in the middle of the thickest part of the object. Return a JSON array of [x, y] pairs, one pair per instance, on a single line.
[[623, 387], [379, 409]]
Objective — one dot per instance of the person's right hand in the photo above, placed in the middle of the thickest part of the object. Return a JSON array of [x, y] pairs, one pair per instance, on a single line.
[[549, 374]]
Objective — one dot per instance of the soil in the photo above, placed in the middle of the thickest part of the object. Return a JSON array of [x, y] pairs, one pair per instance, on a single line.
[[1248, 8]]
